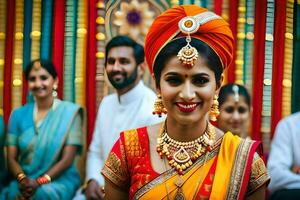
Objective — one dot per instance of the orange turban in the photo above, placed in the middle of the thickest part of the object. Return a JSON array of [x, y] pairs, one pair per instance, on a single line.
[[215, 33]]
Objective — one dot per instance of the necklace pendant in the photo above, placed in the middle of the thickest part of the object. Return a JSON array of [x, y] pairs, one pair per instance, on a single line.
[[179, 195], [181, 156], [179, 181]]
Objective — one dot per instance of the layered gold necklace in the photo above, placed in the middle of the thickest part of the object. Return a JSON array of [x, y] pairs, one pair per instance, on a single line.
[[181, 155]]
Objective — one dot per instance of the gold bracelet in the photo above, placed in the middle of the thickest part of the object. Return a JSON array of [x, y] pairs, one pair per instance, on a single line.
[[102, 190], [47, 177], [20, 177]]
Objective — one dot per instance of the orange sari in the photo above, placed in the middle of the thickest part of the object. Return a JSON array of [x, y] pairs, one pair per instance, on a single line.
[[222, 173]]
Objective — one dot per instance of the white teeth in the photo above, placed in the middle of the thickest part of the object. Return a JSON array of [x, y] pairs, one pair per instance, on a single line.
[[188, 106]]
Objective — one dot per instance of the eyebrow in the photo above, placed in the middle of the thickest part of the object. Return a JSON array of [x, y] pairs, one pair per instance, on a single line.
[[194, 75]]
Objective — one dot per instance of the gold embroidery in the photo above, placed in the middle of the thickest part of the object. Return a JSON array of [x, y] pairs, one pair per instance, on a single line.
[[114, 163], [237, 173], [115, 169], [258, 175], [132, 144], [207, 187], [258, 168]]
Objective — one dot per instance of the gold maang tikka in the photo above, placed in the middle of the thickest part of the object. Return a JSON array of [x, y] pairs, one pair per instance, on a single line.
[[189, 25], [188, 54]]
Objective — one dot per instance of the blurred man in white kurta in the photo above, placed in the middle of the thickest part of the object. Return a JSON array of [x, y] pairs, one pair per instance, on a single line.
[[130, 107]]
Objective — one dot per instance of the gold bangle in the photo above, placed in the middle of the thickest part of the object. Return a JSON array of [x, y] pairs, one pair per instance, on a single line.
[[102, 190], [47, 177], [20, 177]]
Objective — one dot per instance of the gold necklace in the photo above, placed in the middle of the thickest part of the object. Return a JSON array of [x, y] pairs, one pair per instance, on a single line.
[[180, 181], [181, 155]]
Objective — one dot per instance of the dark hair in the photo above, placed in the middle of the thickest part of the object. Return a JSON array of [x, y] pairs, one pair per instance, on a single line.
[[227, 90], [46, 64], [123, 40], [172, 49]]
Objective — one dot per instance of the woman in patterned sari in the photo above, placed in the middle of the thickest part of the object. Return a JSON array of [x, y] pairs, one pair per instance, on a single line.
[[187, 48], [43, 140]]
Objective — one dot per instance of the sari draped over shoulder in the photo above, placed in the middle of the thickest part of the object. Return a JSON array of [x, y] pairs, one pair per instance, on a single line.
[[3, 171], [232, 170], [40, 147]]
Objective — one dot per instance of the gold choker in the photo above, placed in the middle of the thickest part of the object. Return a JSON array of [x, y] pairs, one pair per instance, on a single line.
[[182, 155]]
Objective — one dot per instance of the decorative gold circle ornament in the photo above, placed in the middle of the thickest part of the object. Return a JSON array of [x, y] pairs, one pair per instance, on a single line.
[[188, 25]]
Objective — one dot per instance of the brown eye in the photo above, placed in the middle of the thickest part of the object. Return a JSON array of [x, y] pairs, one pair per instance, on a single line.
[[242, 110], [200, 81], [43, 77], [31, 79], [173, 80], [124, 61], [229, 109], [111, 61]]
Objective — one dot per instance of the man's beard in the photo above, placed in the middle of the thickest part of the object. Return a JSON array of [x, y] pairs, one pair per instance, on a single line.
[[127, 81]]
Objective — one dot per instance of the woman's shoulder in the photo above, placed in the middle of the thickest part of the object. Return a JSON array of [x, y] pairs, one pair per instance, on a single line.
[[142, 135], [67, 105], [23, 109]]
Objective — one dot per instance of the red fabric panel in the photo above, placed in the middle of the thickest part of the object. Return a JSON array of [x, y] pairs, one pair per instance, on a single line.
[[24, 90], [278, 62], [218, 7], [91, 69], [58, 41], [258, 66], [10, 16], [233, 16]]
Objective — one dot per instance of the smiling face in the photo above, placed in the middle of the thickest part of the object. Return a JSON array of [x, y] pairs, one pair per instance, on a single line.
[[187, 93], [121, 67], [40, 82], [234, 115]]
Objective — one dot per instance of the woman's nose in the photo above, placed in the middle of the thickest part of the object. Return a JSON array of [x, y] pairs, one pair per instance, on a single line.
[[187, 92], [38, 83], [235, 115]]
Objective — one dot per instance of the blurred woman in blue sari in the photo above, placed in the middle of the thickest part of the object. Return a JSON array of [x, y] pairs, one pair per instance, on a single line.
[[3, 171], [43, 140]]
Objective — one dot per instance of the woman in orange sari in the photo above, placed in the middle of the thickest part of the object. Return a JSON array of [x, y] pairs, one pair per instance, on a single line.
[[187, 48]]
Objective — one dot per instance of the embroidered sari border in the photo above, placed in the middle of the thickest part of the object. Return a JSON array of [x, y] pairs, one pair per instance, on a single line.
[[241, 170], [113, 162]]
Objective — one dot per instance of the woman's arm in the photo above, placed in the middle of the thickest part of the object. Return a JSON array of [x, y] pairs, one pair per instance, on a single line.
[[72, 146], [27, 186], [113, 192], [258, 194], [68, 156], [13, 165]]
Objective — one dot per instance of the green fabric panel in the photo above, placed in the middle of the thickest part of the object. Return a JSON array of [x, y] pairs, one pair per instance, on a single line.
[[70, 50]]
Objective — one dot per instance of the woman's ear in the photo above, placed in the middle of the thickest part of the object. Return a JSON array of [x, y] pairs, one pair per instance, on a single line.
[[158, 90], [141, 68], [56, 81], [157, 86]]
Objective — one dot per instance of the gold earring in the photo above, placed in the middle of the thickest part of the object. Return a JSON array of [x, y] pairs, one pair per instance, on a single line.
[[214, 111], [159, 107], [54, 92]]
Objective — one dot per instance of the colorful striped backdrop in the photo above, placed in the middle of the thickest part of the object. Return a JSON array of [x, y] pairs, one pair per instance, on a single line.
[[73, 33]]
